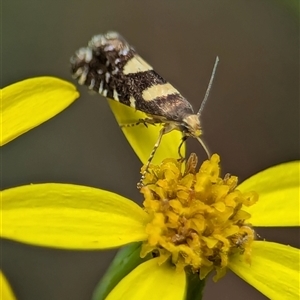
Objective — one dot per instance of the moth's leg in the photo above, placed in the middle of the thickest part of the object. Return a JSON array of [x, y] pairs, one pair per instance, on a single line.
[[140, 121], [161, 133], [184, 138], [132, 124]]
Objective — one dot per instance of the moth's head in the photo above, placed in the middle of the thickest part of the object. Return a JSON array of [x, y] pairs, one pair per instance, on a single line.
[[192, 126]]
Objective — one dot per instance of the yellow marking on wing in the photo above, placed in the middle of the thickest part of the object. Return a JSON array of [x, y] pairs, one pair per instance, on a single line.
[[135, 65], [158, 91]]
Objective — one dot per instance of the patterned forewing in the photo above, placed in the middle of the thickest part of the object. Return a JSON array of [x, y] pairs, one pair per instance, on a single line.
[[111, 67]]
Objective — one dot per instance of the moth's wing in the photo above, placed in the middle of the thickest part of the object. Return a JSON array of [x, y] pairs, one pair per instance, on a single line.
[[112, 68], [142, 139]]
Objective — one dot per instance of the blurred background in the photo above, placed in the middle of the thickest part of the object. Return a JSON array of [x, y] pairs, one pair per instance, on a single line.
[[251, 118]]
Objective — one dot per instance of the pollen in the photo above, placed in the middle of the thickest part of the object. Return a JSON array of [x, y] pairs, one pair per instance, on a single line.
[[197, 217]]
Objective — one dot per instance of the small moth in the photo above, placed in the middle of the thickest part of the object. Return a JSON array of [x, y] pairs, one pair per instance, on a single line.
[[112, 68]]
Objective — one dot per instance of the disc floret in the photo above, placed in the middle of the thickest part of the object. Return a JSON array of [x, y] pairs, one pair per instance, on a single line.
[[197, 217]]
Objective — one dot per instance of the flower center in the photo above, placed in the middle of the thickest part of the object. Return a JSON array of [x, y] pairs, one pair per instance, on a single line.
[[197, 219]]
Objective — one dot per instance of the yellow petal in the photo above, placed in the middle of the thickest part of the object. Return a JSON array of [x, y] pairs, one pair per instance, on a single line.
[[142, 138], [70, 216], [150, 281], [274, 270], [28, 103], [279, 189], [6, 292]]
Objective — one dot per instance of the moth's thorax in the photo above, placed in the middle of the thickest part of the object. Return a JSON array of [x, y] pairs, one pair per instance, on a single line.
[[192, 125]]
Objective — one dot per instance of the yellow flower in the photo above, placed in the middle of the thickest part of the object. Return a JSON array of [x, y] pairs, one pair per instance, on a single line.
[[79, 217]]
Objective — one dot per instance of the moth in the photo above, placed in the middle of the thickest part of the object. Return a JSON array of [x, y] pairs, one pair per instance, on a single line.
[[112, 68]]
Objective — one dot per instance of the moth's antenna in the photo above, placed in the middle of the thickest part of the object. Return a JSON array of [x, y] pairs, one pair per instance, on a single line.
[[209, 87]]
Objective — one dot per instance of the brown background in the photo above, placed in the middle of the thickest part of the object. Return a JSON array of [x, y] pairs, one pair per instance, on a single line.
[[251, 119]]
